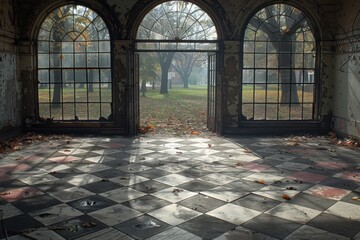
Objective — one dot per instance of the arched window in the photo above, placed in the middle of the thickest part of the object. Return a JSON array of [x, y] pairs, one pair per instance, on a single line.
[[176, 21], [279, 56], [74, 66]]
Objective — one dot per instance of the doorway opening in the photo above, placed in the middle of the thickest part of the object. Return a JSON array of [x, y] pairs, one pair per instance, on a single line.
[[175, 69]]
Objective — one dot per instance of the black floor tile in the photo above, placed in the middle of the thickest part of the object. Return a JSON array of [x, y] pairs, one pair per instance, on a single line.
[[272, 226], [77, 227], [92, 203], [335, 224], [16, 225], [146, 203], [311, 201], [142, 227], [36, 203], [149, 186], [153, 173], [207, 227], [256, 202], [197, 186], [201, 203], [101, 186]]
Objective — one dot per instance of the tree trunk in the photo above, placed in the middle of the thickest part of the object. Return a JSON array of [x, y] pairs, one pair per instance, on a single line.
[[288, 79], [186, 82], [143, 88], [165, 62]]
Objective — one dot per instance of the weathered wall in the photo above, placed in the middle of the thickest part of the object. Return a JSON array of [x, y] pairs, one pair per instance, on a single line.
[[10, 88], [346, 102]]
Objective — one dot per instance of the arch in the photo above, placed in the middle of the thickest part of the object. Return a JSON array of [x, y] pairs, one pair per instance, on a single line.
[[280, 52], [74, 66], [142, 8]]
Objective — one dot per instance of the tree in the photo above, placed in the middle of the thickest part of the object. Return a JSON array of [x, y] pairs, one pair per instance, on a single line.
[[281, 30], [171, 23], [184, 63], [149, 69]]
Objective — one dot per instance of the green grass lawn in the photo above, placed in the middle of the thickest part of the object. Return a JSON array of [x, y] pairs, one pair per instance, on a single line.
[[178, 112]]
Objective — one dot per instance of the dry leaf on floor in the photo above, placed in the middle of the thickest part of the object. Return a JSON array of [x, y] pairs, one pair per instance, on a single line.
[[286, 197], [356, 198], [261, 181]]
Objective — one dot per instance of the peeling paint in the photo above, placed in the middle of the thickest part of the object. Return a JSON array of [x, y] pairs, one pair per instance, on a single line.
[[10, 96]]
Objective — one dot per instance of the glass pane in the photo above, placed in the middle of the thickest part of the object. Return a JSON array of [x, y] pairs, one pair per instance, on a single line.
[[43, 93], [249, 47], [68, 93], [260, 47], [248, 93], [81, 93], [43, 60], [309, 93], [80, 76], [92, 60], [271, 112], [106, 93], [104, 59], [104, 46], [272, 76], [55, 76], [260, 60], [92, 46], [67, 47], [272, 61], [260, 93], [44, 111], [105, 75], [94, 111], [272, 93], [68, 76], [43, 76], [69, 111], [82, 111], [93, 75], [260, 76], [247, 111], [94, 93], [248, 60], [307, 114], [259, 112], [299, 47], [67, 60], [284, 112], [248, 76], [43, 47], [309, 60], [299, 60], [55, 60], [296, 112], [56, 111], [105, 110], [80, 60]]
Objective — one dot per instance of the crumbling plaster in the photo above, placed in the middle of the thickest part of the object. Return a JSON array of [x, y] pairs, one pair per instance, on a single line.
[[10, 87], [346, 102]]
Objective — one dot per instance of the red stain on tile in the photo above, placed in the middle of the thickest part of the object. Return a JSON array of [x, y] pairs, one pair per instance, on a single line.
[[256, 167], [16, 194], [328, 192], [115, 145], [332, 165], [353, 176], [308, 177], [58, 159], [13, 167]]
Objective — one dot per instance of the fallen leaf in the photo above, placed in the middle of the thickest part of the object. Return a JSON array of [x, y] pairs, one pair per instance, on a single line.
[[209, 145], [195, 133], [89, 225], [286, 197], [356, 198], [239, 164], [261, 181], [290, 188]]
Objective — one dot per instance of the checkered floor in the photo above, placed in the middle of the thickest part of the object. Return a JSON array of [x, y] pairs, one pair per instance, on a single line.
[[163, 188]]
